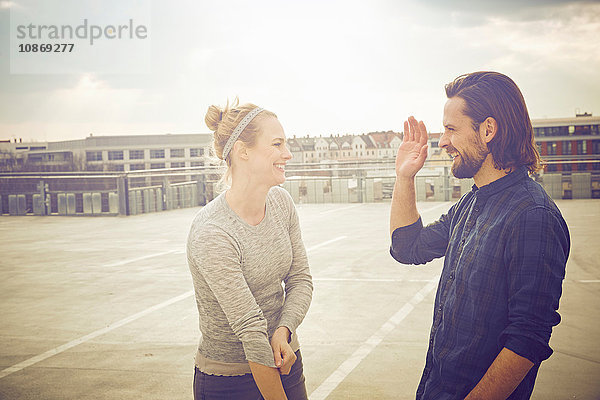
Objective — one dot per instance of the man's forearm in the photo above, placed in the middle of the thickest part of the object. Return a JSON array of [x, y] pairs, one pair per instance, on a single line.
[[268, 381], [404, 204], [502, 377]]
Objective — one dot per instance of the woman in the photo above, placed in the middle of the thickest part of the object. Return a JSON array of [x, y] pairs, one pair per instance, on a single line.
[[241, 247]]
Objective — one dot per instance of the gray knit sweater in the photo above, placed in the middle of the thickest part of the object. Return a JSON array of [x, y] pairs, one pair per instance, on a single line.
[[238, 270]]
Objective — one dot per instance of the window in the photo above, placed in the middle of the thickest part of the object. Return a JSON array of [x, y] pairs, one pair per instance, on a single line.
[[582, 147], [93, 155], [567, 147], [157, 153], [157, 165], [37, 148], [571, 129], [552, 148], [135, 167], [177, 164], [196, 152], [94, 167], [197, 164], [116, 167], [177, 153], [596, 146], [136, 155], [115, 155]]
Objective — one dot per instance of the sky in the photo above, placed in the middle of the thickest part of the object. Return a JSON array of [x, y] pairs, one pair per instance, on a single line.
[[323, 66]]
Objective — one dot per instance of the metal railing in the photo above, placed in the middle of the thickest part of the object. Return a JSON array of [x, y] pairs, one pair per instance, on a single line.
[[145, 191]]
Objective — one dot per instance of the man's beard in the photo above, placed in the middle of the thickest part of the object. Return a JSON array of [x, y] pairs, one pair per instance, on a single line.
[[469, 163]]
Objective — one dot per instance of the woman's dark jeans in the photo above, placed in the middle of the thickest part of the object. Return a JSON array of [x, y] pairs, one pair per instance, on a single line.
[[216, 387]]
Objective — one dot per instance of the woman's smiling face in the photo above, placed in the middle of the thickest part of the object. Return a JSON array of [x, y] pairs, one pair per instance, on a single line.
[[267, 159]]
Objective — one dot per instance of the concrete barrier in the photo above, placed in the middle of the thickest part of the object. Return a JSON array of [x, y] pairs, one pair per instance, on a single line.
[[21, 204], [421, 188], [293, 188], [581, 185], [62, 203], [70, 203], [369, 191], [113, 203], [39, 208], [146, 195], [319, 184], [132, 203], [552, 183], [439, 189], [12, 204], [96, 203], [87, 203], [159, 199], [151, 203]]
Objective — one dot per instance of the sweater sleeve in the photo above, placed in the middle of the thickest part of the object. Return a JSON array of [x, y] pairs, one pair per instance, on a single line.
[[298, 282], [215, 257]]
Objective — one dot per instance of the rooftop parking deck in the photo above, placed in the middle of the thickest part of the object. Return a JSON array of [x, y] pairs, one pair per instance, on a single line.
[[103, 308]]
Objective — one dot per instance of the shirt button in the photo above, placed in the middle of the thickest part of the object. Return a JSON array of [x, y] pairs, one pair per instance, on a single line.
[[451, 276], [476, 209]]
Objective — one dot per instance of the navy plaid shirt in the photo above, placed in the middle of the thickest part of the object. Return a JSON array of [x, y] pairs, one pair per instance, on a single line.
[[506, 246]]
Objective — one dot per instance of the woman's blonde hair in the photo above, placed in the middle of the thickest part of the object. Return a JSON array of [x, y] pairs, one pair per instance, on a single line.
[[223, 121]]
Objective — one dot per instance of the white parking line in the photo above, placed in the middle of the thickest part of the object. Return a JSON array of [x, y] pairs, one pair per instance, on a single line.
[[116, 264], [352, 362], [73, 343], [325, 243]]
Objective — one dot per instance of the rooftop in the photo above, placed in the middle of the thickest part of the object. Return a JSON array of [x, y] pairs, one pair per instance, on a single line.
[[105, 306]]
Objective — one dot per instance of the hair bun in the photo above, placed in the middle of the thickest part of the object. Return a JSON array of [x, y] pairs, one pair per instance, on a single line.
[[214, 115]]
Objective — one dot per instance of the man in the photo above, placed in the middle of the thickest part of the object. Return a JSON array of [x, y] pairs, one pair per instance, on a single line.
[[505, 245]]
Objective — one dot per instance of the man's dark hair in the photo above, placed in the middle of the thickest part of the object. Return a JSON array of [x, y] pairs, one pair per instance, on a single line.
[[492, 94]]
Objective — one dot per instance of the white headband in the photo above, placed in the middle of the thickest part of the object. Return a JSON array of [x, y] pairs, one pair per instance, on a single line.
[[238, 131]]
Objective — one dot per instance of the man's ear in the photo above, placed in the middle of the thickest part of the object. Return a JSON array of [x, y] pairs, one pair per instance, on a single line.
[[240, 149], [488, 129]]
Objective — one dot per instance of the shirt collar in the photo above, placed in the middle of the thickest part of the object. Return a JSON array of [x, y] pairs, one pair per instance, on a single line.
[[499, 185]]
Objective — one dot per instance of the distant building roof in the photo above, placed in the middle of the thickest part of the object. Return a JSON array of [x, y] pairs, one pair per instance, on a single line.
[[581, 119], [132, 140]]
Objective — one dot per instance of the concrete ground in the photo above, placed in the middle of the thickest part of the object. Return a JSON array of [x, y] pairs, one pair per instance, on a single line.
[[102, 308]]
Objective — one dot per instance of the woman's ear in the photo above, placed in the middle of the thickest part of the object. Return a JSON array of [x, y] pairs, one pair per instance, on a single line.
[[240, 149], [488, 129]]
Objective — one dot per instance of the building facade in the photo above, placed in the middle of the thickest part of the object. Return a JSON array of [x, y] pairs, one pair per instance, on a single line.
[[569, 144], [116, 153]]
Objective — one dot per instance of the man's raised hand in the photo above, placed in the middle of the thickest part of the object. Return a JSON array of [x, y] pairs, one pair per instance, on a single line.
[[413, 150]]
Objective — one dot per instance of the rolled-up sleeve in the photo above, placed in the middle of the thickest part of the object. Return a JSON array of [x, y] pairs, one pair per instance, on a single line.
[[216, 259], [536, 255], [415, 244], [298, 282]]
